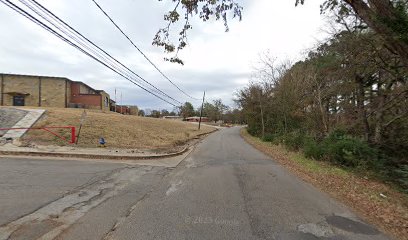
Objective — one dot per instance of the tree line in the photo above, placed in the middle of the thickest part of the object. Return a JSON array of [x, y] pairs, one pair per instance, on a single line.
[[347, 102], [215, 111]]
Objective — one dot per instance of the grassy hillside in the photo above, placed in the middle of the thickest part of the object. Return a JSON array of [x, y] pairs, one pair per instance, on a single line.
[[119, 131]]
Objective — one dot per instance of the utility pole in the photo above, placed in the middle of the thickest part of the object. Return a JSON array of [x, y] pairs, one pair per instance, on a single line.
[[116, 102], [201, 112], [121, 103]]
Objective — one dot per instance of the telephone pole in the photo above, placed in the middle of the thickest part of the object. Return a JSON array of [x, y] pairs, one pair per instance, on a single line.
[[121, 102], [116, 102], [201, 112]]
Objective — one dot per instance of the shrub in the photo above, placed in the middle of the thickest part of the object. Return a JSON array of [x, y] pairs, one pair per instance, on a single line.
[[313, 149], [252, 131], [401, 174], [294, 140], [269, 137], [349, 152]]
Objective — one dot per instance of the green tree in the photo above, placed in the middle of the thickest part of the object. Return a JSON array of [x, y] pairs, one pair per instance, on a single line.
[[388, 18], [155, 114], [209, 111], [347, 100], [164, 112], [215, 110], [187, 110], [233, 116]]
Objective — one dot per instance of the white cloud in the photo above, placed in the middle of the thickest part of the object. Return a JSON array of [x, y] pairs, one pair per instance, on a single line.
[[216, 61]]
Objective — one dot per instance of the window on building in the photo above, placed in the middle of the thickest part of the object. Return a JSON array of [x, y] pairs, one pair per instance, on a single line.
[[18, 100]]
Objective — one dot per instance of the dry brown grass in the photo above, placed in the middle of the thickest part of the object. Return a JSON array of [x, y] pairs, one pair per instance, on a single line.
[[119, 131], [360, 193]]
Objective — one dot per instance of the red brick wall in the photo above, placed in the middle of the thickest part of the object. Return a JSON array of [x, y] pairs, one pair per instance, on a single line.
[[125, 110], [74, 89], [88, 100]]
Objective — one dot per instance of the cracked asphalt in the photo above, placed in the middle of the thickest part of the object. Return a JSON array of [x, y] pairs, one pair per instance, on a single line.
[[224, 189]]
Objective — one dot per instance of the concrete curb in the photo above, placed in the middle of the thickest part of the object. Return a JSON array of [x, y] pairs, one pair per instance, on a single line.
[[97, 156], [92, 156]]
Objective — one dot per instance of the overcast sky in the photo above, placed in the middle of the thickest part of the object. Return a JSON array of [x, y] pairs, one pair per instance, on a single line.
[[215, 61]]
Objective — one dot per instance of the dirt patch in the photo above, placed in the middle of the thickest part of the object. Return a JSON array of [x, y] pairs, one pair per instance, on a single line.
[[376, 202], [119, 131]]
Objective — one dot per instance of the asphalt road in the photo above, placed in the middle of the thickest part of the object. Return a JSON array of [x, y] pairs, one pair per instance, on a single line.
[[224, 189]]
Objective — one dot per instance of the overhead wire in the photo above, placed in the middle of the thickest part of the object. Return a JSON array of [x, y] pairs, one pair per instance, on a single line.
[[81, 42], [56, 18], [52, 31], [141, 52]]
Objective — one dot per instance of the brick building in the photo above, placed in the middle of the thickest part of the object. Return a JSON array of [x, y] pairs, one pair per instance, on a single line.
[[42, 91], [197, 119]]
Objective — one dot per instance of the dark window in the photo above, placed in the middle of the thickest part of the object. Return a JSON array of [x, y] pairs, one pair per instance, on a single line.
[[18, 100]]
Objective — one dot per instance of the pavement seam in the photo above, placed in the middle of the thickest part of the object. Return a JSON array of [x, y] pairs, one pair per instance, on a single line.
[[75, 205], [121, 220], [239, 172], [90, 182]]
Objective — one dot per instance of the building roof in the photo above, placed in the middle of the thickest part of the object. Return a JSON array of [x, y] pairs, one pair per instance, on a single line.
[[86, 85], [51, 77], [195, 117], [26, 75]]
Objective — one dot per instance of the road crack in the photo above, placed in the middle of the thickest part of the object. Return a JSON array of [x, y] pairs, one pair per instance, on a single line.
[[66, 210], [253, 221], [121, 220]]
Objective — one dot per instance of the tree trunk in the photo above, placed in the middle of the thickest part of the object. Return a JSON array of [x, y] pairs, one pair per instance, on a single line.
[[361, 107], [262, 116], [371, 15], [322, 109], [379, 118]]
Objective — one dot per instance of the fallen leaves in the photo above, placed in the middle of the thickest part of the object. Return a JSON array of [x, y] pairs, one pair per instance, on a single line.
[[378, 203]]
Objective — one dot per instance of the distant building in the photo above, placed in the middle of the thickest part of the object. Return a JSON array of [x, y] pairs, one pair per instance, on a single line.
[[180, 118], [42, 91], [123, 109], [112, 105], [133, 110], [197, 119]]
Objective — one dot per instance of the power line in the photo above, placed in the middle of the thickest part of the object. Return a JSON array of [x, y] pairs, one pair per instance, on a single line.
[[80, 41], [141, 52], [56, 18], [111, 66]]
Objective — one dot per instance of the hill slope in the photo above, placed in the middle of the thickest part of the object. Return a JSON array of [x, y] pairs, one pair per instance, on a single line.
[[119, 131]]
